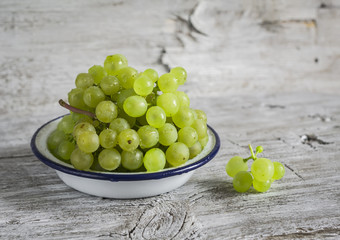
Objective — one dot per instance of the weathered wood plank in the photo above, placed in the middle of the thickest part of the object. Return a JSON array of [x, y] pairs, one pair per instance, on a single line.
[[265, 72], [304, 203]]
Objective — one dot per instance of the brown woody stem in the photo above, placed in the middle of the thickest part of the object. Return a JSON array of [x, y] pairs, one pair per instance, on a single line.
[[76, 110]]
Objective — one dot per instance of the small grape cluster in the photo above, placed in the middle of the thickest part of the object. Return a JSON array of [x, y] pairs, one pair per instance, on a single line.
[[262, 173], [124, 120]]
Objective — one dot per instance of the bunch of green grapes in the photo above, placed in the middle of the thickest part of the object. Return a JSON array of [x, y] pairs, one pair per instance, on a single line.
[[125, 120], [262, 173]]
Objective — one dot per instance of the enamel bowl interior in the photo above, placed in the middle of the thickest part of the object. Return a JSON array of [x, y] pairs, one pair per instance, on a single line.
[[121, 185]]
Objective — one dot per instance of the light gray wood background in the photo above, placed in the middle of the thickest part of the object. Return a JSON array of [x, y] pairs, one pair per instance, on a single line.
[[265, 72]]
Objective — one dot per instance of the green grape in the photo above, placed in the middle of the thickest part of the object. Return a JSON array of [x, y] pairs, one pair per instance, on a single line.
[[55, 138], [167, 83], [131, 120], [132, 160], [119, 124], [151, 98], [188, 136], [92, 96], [195, 150], [148, 136], [262, 169], [98, 73], [242, 181], [128, 139], [82, 127], [143, 85], [84, 80], [123, 95], [177, 154], [204, 141], [259, 149], [96, 166], [65, 150], [183, 98], [66, 124], [78, 118], [110, 85], [88, 141], [169, 120], [109, 159], [126, 77], [201, 115], [106, 111], [142, 120], [76, 98], [135, 106], [114, 97], [261, 186], [154, 160], [169, 103], [201, 128], [180, 74], [108, 138], [184, 117], [279, 171], [236, 164], [152, 74], [95, 123], [114, 62], [167, 134], [81, 160], [156, 117]]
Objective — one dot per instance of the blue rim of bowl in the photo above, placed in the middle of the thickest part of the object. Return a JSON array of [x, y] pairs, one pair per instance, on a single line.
[[115, 177]]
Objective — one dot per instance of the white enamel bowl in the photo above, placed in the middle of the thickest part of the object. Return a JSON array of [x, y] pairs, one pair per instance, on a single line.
[[121, 185]]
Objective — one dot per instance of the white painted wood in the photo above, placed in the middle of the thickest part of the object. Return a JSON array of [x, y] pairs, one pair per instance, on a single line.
[[265, 72]]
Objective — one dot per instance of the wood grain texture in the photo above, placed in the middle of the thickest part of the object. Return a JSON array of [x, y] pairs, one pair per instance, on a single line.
[[265, 72]]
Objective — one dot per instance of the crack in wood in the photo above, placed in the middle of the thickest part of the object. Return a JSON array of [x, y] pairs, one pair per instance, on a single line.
[[325, 232], [236, 144], [17, 156], [189, 27], [182, 226], [275, 106], [291, 169], [111, 235], [161, 60], [308, 139], [138, 221], [322, 118], [277, 25], [165, 220], [181, 42], [189, 23]]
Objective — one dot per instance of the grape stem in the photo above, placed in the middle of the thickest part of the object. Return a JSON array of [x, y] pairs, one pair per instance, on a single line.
[[253, 156], [252, 152], [76, 110]]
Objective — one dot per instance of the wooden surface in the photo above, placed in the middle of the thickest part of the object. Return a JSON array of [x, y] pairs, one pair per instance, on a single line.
[[265, 72]]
